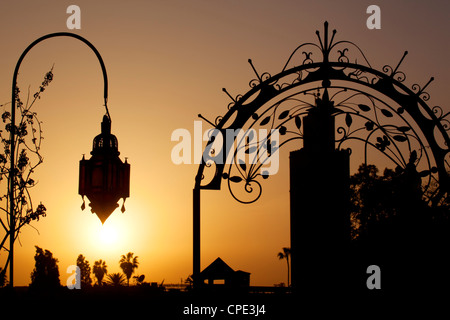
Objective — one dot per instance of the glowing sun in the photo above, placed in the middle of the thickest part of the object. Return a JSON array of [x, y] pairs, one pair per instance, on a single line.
[[108, 234]]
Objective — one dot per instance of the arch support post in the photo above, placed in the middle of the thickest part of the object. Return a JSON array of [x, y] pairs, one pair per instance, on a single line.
[[196, 237]]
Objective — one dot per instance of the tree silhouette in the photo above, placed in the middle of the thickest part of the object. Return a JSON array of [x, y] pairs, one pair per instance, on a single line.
[[395, 224], [28, 138], [115, 279], [99, 270], [128, 263], [85, 271], [392, 206], [45, 274], [286, 255]]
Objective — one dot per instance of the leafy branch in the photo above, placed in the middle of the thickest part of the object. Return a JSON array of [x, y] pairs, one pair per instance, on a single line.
[[27, 157]]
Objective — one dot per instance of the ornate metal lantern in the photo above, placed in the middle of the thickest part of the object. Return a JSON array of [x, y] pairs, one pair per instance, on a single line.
[[104, 178]]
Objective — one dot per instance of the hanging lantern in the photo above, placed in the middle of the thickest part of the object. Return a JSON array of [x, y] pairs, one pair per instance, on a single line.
[[104, 178]]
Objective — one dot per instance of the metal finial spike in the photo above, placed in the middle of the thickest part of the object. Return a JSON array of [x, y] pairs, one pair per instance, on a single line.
[[429, 81], [400, 62], [332, 37], [228, 94], [202, 117], [326, 34], [254, 70], [320, 39]]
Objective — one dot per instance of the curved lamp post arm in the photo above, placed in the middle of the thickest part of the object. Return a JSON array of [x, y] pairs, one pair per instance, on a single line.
[[12, 132], [53, 35]]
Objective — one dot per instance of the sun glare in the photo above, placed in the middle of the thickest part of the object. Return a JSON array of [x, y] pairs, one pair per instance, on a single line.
[[108, 234]]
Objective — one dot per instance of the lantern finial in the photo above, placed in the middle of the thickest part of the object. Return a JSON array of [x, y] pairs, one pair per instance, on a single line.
[[106, 125]]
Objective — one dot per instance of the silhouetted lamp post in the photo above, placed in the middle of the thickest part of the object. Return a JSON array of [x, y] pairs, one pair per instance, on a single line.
[[104, 179]]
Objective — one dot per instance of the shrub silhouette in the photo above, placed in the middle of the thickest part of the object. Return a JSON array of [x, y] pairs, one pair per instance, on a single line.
[[45, 275]]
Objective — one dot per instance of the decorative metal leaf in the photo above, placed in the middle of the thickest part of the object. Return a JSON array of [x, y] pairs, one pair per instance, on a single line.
[[424, 173], [403, 129], [348, 120], [283, 115], [236, 179], [283, 130], [250, 136], [386, 113], [265, 121], [243, 165], [265, 174], [400, 138], [364, 107], [298, 122]]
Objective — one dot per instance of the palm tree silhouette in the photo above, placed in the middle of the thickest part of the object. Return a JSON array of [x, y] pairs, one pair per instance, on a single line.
[[285, 255], [99, 270], [115, 279], [128, 263]]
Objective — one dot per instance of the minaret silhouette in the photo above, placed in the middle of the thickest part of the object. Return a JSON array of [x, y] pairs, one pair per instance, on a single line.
[[319, 195]]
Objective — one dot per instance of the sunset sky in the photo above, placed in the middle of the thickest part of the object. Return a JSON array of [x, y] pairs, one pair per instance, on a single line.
[[167, 61]]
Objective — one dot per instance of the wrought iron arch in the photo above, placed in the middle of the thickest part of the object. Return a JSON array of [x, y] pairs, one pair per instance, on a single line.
[[373, 107]]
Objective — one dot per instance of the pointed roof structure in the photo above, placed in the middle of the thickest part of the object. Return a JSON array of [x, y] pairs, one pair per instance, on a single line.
[[218, 269]]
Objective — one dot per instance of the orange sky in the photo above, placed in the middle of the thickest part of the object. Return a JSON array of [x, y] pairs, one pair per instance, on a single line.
[[167, 61]]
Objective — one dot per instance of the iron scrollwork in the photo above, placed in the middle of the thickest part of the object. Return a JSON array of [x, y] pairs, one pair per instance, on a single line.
[[374, 109]]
